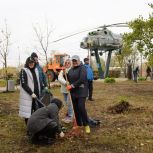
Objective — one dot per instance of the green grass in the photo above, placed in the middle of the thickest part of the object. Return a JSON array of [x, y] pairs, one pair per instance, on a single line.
[[2, 83], [130, 132], [109, 80], [141, 78]]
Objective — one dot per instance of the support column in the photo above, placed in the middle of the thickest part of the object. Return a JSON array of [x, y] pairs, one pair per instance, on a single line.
[[100, 71], [107, 64]]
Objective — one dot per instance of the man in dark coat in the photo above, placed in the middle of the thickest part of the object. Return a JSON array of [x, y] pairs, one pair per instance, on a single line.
[[135, 74], [42, 76], [148, 72], [90, 78], [43, 125]]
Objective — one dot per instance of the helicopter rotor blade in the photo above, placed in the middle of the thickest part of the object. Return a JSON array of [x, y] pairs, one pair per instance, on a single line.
[[119, 26], [115, 25], [111, 25], [72, 35]]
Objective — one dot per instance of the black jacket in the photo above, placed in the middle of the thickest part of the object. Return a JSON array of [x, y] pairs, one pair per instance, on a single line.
[[24, 82], [42, 117], [77, 76]]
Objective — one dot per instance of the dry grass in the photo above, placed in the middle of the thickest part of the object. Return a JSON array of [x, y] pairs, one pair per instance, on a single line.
[[131, 132]]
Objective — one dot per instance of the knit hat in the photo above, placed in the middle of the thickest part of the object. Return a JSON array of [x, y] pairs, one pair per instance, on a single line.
[[58, 102], [29, 60], [33, 55]]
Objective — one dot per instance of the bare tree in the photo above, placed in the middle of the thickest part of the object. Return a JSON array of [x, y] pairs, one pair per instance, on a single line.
[[43, 38], [4, 49]]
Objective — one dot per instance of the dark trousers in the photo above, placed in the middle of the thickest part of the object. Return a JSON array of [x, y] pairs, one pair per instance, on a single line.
[[48, 132], [80, 111], [90, 89], [148, 75], [135, 76], [26, 120]]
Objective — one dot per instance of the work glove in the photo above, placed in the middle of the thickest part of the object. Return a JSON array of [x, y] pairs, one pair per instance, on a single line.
[[34, 96], [62, 134], [46, 90], [69, 87]]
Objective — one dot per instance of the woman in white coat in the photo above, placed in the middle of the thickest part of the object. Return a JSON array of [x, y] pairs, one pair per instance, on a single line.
[[63, 82], [29, 89]]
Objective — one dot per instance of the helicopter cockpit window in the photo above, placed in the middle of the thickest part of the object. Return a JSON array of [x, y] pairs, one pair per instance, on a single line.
[[105, 32]]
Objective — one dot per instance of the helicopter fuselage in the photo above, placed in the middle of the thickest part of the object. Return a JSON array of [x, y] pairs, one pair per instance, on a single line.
[[102, 40]]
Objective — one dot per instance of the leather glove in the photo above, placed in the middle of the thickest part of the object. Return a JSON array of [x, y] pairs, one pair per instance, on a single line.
[[34, 96], [69, 87], [62, 134]]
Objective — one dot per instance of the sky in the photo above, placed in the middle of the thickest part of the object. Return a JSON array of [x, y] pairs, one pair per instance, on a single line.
[[64, 17]]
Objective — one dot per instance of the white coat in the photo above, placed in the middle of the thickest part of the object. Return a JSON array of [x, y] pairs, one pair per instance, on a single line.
[[62, 81], [26, 99]]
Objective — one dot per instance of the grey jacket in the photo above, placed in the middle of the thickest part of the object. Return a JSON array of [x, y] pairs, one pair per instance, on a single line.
[[42, 117]]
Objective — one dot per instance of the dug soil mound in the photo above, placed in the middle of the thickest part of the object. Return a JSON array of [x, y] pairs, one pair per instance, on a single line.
[[122, 107]]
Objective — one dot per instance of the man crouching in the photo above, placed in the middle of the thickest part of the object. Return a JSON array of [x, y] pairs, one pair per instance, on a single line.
[[43, 125]]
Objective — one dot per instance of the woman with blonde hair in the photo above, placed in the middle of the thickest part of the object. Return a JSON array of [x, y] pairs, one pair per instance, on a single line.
[[62, 78]]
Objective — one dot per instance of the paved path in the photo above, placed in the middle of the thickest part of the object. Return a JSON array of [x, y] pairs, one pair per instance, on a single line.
[[52, 85], [56, 83], [2, 89]]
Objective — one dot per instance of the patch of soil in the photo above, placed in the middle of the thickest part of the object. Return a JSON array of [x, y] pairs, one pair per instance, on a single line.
[[122, 107], [6, 109]]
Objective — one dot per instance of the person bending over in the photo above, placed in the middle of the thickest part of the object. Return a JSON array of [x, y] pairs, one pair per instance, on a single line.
[[43, 125]]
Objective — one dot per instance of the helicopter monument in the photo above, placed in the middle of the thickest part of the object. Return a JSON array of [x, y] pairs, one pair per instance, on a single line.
[[100, 41]]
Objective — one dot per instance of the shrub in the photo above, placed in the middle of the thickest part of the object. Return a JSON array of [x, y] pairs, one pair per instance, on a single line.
[[114, 73], [141, 79], [109, 80]]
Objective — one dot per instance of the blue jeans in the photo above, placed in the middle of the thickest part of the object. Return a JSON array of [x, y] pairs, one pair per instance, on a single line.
[[69, 104]]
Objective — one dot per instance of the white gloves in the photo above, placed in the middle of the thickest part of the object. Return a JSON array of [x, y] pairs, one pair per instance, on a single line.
[[61, 134], [46, 88], [33, 96]]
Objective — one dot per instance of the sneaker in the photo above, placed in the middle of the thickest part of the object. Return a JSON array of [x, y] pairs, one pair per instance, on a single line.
[[87, 129], [67, 120], [64, 118]]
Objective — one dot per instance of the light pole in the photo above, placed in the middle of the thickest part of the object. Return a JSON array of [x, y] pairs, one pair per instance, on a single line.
[[141, 64]]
